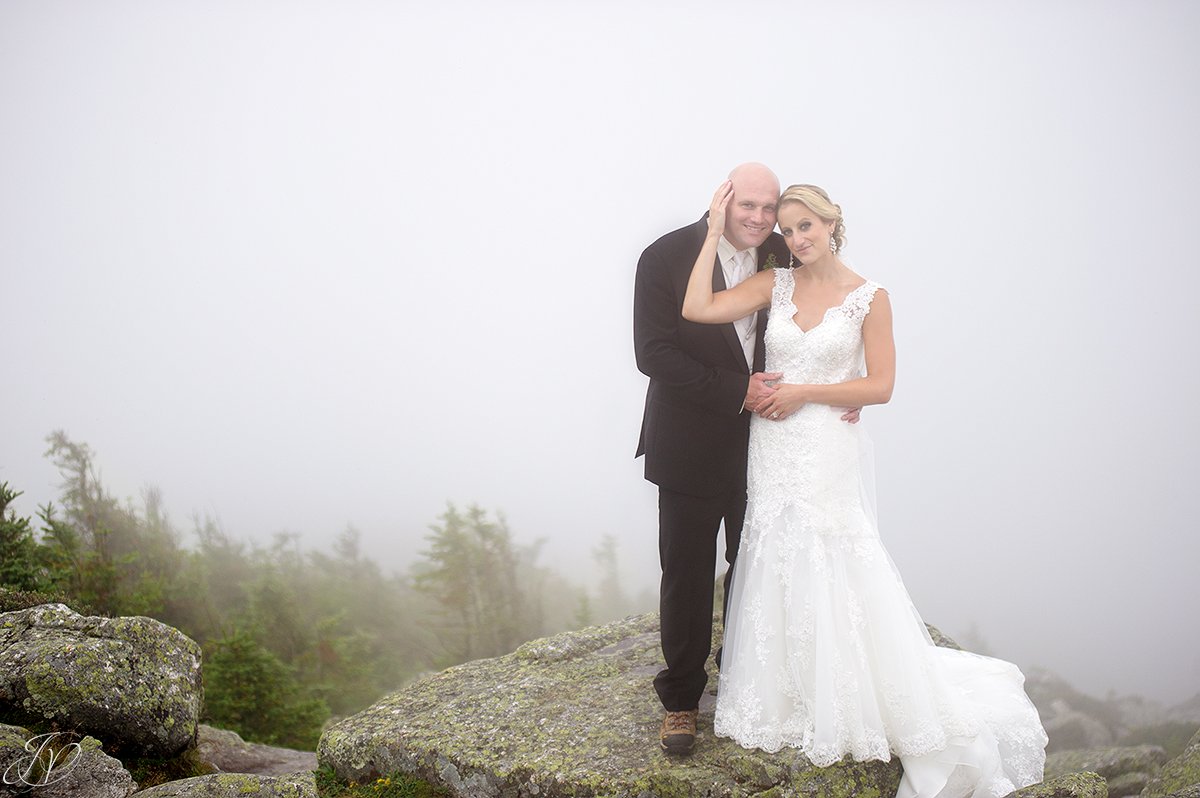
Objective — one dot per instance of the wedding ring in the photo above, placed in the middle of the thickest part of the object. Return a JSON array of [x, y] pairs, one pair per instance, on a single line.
[[775, 414]]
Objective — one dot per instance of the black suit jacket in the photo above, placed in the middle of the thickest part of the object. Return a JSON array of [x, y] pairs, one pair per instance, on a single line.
[[694, 432]]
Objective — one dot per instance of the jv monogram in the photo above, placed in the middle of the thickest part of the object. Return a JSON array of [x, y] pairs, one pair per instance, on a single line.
[[44, 765]]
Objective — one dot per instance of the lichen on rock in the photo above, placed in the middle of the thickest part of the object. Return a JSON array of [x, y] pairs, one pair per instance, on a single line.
[[86, 770], [236, 785], [1109, 762], [570, 715], [1072, 785], [129, 681], [1179, 774]]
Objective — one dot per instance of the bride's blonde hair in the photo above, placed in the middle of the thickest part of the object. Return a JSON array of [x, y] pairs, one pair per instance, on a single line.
[[817, 201]]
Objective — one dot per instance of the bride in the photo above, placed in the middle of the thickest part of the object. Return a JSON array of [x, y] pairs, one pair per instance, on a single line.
[[824, 650]]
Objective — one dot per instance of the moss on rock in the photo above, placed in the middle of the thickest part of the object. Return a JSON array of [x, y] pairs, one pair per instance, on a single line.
[[1127, 784], [133, 682], [79, 766], [1072, 785], [236, 785], [571, 715], [1109, 762], [1181, 773]]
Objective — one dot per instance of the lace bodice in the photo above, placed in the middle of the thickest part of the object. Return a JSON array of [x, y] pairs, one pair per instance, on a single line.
[[830, 352], [809, 460]]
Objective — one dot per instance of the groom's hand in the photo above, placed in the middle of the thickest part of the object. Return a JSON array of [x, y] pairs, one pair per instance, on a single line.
[[758, 389]]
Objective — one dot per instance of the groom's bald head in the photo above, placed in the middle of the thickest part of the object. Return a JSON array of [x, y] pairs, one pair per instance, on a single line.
[[753, 171]]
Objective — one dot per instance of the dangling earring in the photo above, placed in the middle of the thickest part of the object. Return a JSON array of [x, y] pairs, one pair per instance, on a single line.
[[833, 245], [791, 260]]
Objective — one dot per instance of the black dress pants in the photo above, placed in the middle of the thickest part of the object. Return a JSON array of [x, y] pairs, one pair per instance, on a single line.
[[687, 549]]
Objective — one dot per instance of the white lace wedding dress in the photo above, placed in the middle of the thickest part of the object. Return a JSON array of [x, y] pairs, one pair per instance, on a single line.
[[824, 650]]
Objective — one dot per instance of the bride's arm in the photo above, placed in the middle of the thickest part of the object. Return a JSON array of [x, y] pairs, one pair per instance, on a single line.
[[874, 389], [700, 304]]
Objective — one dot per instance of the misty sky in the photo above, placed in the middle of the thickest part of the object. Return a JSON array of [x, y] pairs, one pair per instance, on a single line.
[[309, 264]]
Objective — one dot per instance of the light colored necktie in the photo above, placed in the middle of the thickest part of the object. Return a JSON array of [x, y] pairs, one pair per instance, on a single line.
[[745, 265], [745, 327]]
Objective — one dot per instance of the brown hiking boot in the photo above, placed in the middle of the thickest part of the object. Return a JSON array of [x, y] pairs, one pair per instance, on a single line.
[[678, 732]]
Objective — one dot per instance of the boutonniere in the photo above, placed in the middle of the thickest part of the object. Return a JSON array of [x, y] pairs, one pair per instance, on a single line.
[[771, 262]]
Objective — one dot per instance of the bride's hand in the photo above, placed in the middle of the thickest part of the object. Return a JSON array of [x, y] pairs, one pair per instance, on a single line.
[[786, 400], [716, 210]]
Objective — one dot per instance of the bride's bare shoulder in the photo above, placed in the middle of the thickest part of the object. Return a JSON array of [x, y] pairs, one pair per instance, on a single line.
[[854, 280]]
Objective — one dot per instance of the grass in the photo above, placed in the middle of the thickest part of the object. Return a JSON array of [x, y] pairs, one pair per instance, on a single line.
[[396, 785]]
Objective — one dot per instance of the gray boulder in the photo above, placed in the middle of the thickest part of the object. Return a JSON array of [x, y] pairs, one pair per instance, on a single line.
[[1073, 720], [236, 785], [1108, 762], [132, 682], [83, 771], [1072, 785], [1128, 784], [1186, 711], [1179, 775], [1070, 729], [226, 751], [1187, 792], [569, 715]]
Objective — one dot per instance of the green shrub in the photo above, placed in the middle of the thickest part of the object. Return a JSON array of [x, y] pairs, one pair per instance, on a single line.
[[396, 785], [247, 689], [13, 600]]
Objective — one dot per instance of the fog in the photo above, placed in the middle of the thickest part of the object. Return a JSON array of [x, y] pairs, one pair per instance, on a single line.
[[302, 265]]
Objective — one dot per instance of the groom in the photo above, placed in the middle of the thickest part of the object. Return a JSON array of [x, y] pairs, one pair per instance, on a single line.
[[705, 381]]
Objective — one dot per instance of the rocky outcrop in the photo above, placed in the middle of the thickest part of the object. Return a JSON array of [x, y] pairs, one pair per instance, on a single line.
[[134, 683], [131, 682], [1072, 730], [1108, 762], [236, 785], [1127, 770], [571, 715], [1187, 792], [1128, 784], [1075, 720], [68, 767], [227, 752], [1179, 775], [1187, 711], [1072, 785]]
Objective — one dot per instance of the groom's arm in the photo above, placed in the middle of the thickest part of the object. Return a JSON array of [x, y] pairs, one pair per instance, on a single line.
[[656, 321]]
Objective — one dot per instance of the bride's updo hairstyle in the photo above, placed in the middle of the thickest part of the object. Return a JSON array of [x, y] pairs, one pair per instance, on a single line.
[[819, 203]]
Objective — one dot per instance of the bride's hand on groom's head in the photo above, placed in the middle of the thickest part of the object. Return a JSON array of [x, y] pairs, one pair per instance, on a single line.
[[716, 209]]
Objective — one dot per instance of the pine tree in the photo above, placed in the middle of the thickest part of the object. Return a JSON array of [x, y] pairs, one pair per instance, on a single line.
[[19, 567], [472, 569]]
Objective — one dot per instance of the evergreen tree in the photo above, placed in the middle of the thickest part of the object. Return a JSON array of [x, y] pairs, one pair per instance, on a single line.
[[249, 690], [19, 566], [471, 569], [288, 634], [118, 561]]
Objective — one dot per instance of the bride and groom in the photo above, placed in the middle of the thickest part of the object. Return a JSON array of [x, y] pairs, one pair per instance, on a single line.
[[746, 425]]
